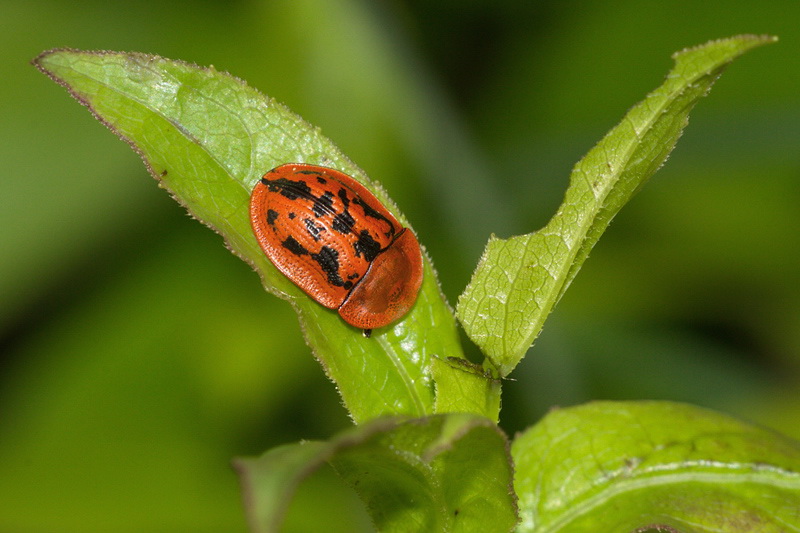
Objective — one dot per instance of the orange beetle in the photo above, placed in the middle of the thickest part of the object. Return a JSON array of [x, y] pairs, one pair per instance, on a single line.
[[332, 238]]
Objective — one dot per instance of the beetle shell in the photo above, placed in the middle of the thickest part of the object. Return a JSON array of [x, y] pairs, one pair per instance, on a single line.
[[332, 238]]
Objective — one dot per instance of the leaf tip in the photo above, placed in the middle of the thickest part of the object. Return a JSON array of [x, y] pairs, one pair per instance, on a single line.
[[743, 42], [40, 61], [37, 61], [47, 60]]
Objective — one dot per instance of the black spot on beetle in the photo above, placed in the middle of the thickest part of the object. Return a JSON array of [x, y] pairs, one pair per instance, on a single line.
[[292, 215], [313, 229], [289, 188], [320, 178], [366, 246], [369, 211], [345, 198], [323, 205], [373, 213], [328, 260], [343, 223], [272, 216], [291, 244]]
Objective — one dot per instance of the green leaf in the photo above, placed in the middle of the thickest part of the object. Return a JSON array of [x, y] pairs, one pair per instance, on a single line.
[[447, 473], [519, 280], [619, 466], [207, 138], [462, 386]]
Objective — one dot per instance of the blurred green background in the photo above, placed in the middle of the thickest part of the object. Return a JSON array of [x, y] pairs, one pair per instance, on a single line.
[[139, 356]]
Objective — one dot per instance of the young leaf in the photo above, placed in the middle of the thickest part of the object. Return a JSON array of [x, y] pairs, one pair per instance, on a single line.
[[630, 466], [519, 280], [207, 138], [446, 473]]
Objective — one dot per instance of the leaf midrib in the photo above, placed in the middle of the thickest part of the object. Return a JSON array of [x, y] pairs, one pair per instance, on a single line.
[[407, 380], [754, 473]]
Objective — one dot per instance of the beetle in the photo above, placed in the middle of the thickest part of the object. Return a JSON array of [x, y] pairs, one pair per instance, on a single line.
[[334, 239]]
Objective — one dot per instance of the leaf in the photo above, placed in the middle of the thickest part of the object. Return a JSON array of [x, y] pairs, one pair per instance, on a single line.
[[519, 280], [444, 473], [269, 482], [619, 466], [464, 387], [207, 138]]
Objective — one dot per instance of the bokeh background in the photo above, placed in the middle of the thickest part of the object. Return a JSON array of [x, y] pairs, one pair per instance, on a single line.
[[138, 356]]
